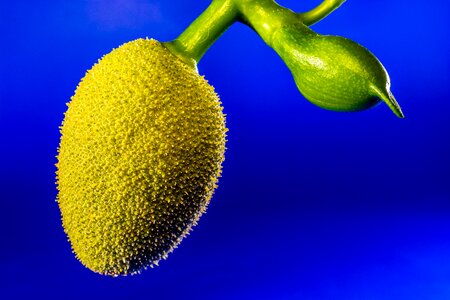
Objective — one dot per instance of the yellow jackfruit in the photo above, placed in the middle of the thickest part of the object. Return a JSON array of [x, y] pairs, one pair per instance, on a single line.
[[141, 150]]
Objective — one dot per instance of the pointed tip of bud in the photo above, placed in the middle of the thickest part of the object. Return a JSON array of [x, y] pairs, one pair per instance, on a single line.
[[389, 99]]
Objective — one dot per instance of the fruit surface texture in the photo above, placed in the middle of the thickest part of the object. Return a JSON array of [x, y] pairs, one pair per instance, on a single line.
[[141, 150]]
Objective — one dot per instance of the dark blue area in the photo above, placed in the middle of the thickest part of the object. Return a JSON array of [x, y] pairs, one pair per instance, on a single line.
[[312, 204]]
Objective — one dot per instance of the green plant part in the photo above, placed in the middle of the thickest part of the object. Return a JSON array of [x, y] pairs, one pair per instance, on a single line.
[[330, 71], [333, 72], [143, 138]]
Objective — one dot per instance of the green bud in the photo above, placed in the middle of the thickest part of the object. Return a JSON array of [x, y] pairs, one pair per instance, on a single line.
[[334, 72]]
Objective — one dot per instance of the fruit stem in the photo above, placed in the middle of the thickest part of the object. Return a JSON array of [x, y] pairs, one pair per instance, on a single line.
[[192, 44], [264, 16], [321, 11]]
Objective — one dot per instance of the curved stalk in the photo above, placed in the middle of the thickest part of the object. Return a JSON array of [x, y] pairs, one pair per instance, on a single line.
[[266, 17], [192, 44], [320, 12], [261, 15]]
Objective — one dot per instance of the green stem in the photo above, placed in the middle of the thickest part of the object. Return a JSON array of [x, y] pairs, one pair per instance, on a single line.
[[264, 16], [204, 31], [320, 12]]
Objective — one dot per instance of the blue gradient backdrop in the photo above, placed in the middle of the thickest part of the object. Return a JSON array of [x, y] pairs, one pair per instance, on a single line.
[[312, 204]]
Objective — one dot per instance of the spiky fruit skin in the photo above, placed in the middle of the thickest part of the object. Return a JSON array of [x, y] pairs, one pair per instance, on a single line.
[[141, 150]]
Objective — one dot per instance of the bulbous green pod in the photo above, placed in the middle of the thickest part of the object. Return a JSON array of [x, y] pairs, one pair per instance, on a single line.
[[333, 72]]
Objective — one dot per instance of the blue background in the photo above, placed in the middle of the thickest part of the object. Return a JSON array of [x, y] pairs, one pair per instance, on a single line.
[[312, 204]]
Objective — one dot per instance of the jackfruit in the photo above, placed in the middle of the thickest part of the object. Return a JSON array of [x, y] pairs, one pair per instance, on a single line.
[[142, 144]]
